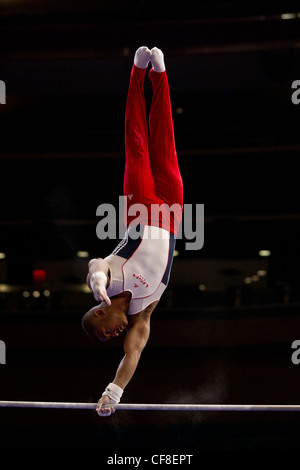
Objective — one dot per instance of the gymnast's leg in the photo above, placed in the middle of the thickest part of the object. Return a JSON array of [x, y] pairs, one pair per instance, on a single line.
[[138, 178], [164, 163]]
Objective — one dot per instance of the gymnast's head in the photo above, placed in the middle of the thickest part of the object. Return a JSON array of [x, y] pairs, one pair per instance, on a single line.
[[104, 322]]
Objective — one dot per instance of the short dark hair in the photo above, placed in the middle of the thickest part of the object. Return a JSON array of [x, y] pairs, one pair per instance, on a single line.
[[88, 325]]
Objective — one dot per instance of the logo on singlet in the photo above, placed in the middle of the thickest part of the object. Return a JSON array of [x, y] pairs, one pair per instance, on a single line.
[[141, 279]]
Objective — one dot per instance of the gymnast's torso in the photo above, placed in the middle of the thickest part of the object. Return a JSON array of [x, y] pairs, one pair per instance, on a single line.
[[141, 265]]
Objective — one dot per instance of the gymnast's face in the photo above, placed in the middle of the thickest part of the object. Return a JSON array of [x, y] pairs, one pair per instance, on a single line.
[[109, 323]]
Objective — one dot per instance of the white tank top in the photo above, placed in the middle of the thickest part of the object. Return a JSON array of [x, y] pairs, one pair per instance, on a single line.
[[141, 265]]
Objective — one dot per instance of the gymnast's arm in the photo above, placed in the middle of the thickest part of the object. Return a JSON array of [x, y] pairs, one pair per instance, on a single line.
[[98, 279], [134, 343]]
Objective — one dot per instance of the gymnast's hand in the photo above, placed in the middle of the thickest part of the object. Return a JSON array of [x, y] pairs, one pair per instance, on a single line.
[[105, 406], [98, 285]]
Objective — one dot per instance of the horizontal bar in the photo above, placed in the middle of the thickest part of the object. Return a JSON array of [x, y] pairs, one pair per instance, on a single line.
[[149, 407]]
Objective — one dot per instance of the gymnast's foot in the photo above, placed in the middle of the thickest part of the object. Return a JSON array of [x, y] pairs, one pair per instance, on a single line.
[[142, 57], [157, 60]]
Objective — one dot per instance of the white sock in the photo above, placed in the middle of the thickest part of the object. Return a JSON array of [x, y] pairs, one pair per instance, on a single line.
[[157, 60], [142, 57]]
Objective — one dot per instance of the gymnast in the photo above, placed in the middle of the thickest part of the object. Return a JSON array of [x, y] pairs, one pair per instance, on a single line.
[[130, 281]]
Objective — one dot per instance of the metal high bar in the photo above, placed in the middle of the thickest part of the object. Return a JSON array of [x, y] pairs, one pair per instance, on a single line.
[[149, 407]]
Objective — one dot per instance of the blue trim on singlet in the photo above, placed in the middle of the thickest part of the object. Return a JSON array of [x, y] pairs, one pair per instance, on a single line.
[[166, 276], [127, 247]]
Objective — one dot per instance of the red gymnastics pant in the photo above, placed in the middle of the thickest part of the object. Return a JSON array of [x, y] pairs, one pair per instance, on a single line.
[[152, 175]]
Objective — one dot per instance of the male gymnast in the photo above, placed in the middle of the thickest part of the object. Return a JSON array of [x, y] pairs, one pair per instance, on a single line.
[[131, 280]]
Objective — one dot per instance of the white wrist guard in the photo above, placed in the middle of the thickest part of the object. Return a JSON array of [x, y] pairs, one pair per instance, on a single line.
[[97, 276], [114, 392]]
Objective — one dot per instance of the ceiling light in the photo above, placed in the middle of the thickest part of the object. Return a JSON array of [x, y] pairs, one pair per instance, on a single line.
[[264, 253], [83, 254], [288, 16], [262, 272]]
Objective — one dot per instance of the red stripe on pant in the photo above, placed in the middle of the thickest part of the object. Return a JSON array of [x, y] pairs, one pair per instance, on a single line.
[[152, 175]]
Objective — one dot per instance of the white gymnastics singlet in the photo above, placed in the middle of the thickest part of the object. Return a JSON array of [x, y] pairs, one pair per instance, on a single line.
[[141, 265]]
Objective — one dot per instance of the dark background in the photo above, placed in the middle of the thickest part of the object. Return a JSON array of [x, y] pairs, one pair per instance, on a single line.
[[219, 335]]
